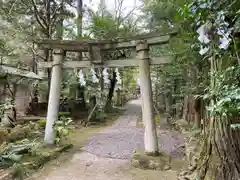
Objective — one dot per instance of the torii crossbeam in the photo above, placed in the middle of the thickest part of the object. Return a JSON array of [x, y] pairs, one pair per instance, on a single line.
[[139, 44]]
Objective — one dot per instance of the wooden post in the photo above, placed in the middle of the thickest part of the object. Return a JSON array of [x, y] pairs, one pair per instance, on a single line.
[[150, 134], [118, 97], [54, 95]]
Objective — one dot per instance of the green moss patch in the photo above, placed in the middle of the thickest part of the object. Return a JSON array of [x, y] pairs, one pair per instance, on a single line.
[[143, 161]]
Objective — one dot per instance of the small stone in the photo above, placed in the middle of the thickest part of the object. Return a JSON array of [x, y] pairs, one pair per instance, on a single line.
[[181, 146], [183, 173], [88, 164]]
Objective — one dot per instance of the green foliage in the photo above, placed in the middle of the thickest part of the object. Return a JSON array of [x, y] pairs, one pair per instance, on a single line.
[[225, 74], [213, 27], [103, 27], [64, 114], [226, 93], [61, 129], [13, 152], [42, 122], [111, 26], [161, 14], [7, 105]]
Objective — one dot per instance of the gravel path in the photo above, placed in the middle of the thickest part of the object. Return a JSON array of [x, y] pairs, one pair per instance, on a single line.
[[106, 154], [123, 137]]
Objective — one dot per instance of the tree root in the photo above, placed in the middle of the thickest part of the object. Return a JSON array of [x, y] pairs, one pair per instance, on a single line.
[[220, 154]]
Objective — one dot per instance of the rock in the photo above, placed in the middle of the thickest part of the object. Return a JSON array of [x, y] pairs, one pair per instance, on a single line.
[[7, 116], [143, 161], [19, 132]]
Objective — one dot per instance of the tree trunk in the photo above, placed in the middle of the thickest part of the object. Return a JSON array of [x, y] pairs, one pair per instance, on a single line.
[[113, 82], [222, 143], [80, 91], [118, 97], [185, 108], [197, 112], [168, 104], [91, 109], [161, 98]]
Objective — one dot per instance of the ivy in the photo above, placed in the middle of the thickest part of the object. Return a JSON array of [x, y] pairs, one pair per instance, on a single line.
[[226, 93]]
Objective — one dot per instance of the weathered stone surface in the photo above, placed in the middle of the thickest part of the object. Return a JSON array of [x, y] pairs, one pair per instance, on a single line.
[[142, 161], [45, 155], [19, 132]]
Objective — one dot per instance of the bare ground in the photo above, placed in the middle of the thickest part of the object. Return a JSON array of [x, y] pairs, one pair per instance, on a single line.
[[106, 154]]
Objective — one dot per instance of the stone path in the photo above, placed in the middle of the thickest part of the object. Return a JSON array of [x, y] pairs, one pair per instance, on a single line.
[[121, 139], [106, 154]]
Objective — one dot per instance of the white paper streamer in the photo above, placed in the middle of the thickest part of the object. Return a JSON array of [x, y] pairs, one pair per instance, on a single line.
[[105, 76], [81, 78], [119, 80], [94, 76]]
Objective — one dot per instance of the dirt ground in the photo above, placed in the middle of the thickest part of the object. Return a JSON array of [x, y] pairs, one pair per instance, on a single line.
[[86, 162]]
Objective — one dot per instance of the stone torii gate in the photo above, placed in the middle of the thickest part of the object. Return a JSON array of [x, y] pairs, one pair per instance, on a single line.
[[139, 44]]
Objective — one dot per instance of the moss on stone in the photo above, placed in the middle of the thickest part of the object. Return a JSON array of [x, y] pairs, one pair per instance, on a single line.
[[19, 132], [143, 161], [46, 154]]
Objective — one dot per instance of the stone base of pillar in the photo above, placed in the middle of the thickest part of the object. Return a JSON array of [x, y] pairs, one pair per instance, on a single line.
[[141, 160]]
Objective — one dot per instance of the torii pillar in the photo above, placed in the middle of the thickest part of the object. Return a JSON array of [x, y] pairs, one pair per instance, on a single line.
[[150, 134], [54, 95]]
